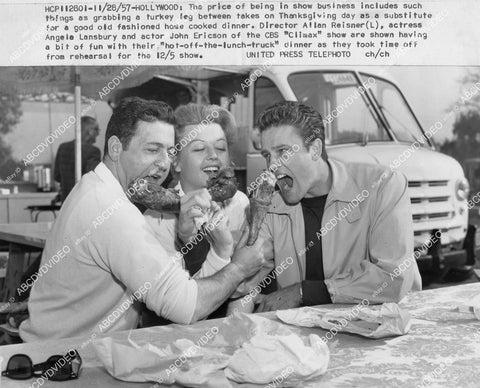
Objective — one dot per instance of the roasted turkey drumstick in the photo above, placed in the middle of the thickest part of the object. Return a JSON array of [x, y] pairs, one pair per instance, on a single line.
[[221, 185], [154, 196], [259, 204]]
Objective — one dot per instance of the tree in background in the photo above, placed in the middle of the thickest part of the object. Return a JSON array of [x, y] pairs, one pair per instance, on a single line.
[[466, 137], [465, 145], [10, 113], [466, 129]]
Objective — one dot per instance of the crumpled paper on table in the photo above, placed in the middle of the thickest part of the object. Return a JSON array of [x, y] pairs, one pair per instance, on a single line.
[[201, 367], [283, 360], [381, 321], [234, 352]]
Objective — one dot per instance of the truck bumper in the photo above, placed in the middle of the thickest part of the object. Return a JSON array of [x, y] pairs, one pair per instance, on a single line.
[[437, 263]]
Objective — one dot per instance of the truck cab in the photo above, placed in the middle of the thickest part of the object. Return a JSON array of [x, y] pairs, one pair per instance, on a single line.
[[367, 119]]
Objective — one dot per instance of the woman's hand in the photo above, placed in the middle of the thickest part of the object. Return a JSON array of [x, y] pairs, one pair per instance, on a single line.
[[192, 205], [218, 233]]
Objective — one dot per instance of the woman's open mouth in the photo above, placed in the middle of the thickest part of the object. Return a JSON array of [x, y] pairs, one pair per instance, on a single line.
[[211, 170]]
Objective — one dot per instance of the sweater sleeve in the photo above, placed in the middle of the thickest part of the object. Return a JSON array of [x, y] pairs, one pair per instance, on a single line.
[[127, 245]]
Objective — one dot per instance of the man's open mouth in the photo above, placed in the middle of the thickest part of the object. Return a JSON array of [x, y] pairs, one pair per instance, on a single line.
[[284, 181], [154, 178]]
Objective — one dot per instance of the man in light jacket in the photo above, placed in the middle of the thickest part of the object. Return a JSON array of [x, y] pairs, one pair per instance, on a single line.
[[337, 232]]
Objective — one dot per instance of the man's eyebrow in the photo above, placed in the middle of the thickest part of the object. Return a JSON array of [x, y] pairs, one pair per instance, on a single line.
[[155, 143], [281, 146]]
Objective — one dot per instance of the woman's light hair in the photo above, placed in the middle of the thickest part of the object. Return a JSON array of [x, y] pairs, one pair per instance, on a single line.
[[204, 115]]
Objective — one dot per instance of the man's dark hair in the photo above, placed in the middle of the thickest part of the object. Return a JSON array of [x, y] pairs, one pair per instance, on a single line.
[[129, 112], [304, 118], [87, 121], [89, 128]]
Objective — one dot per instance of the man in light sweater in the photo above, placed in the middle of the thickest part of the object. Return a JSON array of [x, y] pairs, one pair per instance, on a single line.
[[102, 255]]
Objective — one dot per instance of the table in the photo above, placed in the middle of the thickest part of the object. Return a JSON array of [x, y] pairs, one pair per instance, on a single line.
[[42, 208], [438, 334], [12, 206], [22, 239], [29, 234]]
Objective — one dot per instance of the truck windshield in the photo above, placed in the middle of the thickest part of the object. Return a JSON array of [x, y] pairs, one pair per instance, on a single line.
[[348, 116], [395, 109]]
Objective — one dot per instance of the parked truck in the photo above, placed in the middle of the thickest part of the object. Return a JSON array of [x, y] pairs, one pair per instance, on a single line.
[[367, 119]]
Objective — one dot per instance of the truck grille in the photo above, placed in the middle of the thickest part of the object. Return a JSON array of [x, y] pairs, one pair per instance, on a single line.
[[432, 205], [432, 216], [431, 200], [427, 183]]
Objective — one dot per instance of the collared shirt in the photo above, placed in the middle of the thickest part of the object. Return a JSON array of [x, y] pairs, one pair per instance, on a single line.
[[367, 237], [113, 259], [165, 226]]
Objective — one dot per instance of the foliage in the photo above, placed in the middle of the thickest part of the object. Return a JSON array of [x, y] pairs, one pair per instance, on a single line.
[[466, 141], [466, 129], [10, 113]]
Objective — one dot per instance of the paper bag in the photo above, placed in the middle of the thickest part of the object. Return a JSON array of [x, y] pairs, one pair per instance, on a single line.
[[369, 321]]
